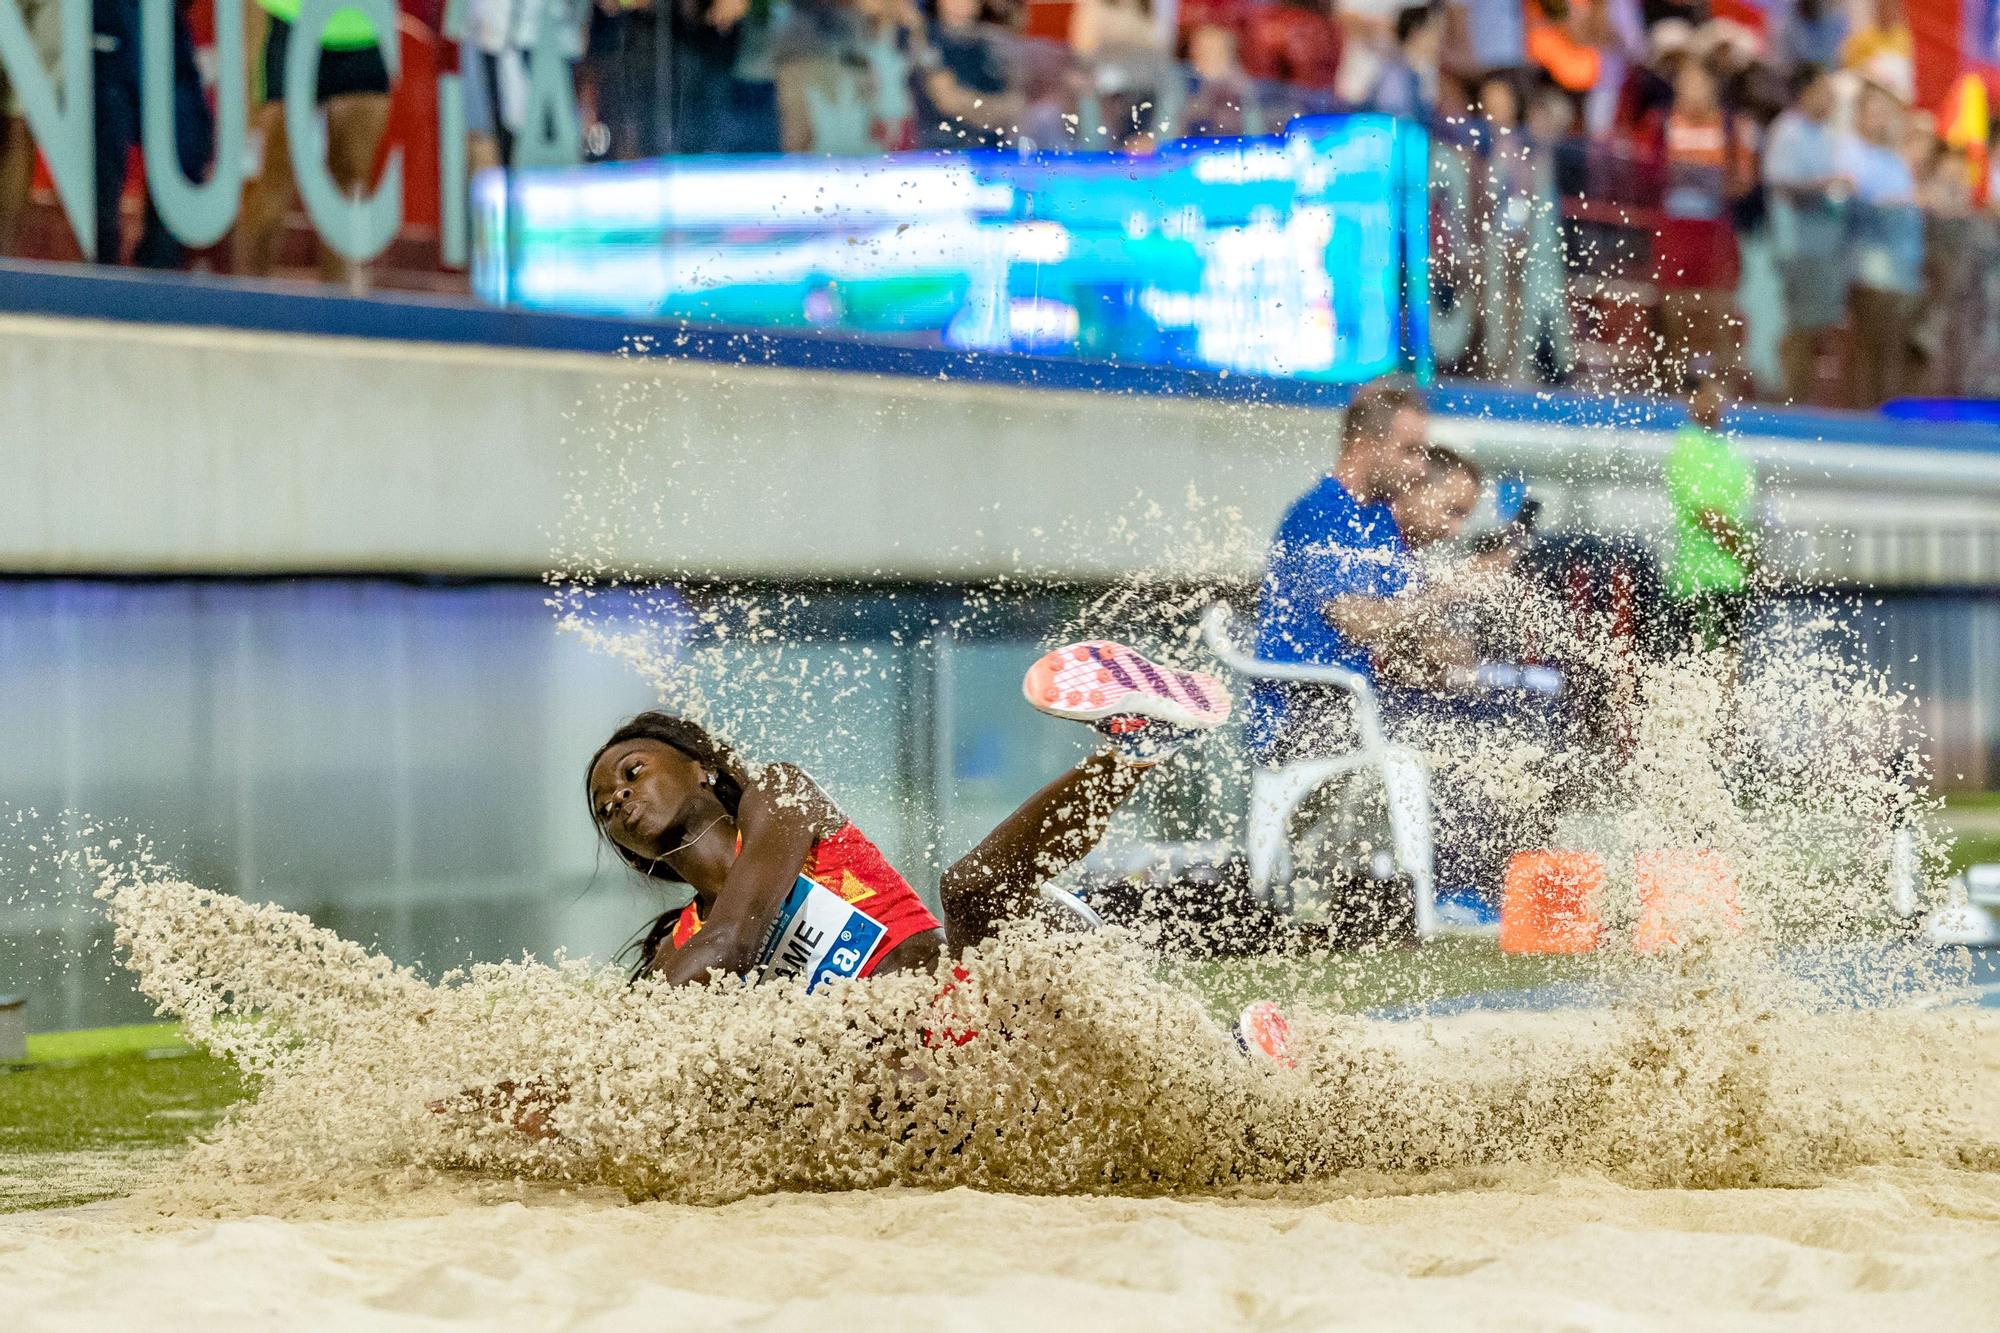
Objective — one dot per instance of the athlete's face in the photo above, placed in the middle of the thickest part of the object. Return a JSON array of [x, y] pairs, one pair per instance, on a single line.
[[649, 798]]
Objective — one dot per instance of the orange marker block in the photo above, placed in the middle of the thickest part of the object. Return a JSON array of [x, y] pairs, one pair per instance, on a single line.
[[1681, 893], [1547, 907]]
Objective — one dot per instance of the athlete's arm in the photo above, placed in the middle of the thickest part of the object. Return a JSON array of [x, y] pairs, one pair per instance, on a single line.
[[780, 817]]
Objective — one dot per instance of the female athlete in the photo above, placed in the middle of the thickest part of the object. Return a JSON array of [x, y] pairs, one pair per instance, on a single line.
[[788, 891], [787, 888]]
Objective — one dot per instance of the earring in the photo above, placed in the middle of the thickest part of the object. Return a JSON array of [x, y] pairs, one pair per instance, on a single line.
[[709, 779]]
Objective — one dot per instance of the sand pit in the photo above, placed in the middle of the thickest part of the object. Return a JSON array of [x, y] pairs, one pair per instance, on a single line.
[[1914, 1244]]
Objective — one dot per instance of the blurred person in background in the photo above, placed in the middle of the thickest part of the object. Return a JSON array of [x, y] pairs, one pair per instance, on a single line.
[[1221, 98], [1810, 32], [1886, 246], [1551, 125], [1335, 574], [1712, 489], [1748, 85], [1498, 109], [43, 20], [1648, 93], [353, 97], [1510, 169], [1708, 157], [889, 31], [482, 57], [702, 99], [1522, 337], [1130, 82], [1455, 124], [1367, 44], [620, 81], [1407, 85], [1335, 565], [1808, 198], [115, 126], [1293, 41], [1953, 250], [961, 82], [493, 63], [1491, 36], [1563, 41], [843, 80], [1100, 26], [1693, 13], [1435, 510], [1882, 50], [1621, 49]]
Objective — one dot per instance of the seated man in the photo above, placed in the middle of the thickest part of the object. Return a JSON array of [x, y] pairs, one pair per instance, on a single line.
[[1335, 588], [1344, 587]]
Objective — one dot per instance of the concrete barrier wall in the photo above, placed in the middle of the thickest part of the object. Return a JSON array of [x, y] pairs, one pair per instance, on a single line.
[[160, 448]]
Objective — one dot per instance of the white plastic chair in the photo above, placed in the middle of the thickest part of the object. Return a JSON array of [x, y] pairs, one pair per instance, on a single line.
[[1276, 793]]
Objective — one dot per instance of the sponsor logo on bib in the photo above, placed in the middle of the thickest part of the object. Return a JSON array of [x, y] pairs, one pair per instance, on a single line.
[[818, 934]]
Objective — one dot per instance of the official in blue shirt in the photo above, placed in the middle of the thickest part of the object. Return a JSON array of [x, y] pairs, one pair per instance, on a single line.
[[1336, 561]]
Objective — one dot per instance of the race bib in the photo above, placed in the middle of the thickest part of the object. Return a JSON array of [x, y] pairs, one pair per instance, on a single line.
[[818, 934]]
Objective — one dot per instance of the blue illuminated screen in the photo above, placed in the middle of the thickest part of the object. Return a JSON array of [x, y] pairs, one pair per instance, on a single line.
[[1300, 255]]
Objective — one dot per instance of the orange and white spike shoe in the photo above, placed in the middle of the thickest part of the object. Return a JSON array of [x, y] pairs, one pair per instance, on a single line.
[[1263, 1033], [1146, 711]]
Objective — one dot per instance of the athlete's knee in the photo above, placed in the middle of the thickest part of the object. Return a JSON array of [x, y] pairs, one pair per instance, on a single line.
[[958, 887]]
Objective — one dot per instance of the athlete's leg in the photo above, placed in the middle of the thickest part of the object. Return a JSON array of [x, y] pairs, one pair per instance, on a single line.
[[1000, 879], [1144, 711]]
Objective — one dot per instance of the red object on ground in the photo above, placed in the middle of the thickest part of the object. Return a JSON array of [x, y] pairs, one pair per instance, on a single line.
[[1548, 904], [1682, 892]]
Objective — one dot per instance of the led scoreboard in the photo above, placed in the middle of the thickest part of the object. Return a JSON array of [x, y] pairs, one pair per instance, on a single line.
[[1301, 254]]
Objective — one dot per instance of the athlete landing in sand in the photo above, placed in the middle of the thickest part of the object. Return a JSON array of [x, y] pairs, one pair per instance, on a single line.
[[786, 888]]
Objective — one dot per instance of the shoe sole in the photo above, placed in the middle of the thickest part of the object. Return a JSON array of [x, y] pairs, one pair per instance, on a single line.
[[1095, 679], [1263, 1031]]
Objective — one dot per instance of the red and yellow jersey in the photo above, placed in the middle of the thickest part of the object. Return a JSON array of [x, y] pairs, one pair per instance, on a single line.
[[848, 864]]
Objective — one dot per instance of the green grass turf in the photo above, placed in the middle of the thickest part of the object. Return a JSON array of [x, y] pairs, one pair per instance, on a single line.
[[50, 1047], [102, 1095], [1975, 817], [1387, 978]]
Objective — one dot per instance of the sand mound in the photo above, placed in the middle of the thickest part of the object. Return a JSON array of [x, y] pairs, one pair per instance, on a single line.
[[1090, 1073], [1911, 1245]]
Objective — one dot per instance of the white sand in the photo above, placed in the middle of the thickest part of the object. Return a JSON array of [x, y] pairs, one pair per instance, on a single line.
[[1905, 1245]]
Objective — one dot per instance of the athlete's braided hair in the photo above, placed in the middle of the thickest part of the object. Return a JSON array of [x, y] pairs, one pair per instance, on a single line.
[[692, 740]]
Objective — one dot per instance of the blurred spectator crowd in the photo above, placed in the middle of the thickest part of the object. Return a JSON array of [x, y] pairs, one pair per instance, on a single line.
[[1755, 183], [1743, 167]]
